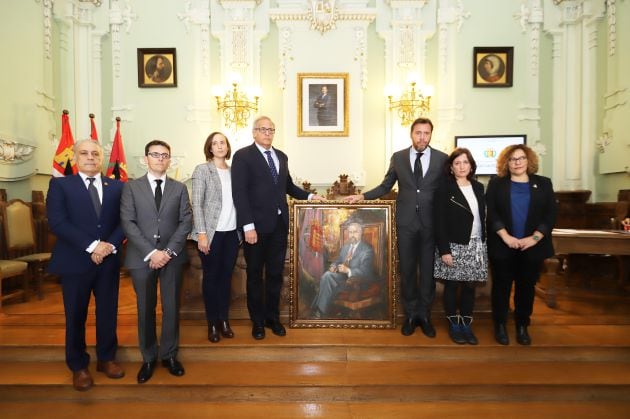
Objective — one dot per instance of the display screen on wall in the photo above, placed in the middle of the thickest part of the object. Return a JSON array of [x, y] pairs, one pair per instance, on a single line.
[[486, 148]]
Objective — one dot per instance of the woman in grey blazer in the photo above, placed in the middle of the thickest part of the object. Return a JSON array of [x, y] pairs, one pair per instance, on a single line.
[[214, 230]]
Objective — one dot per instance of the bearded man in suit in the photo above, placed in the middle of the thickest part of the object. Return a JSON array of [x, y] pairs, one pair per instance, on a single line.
[[352, 270], [418, 170], [84, 214], [156, 216]]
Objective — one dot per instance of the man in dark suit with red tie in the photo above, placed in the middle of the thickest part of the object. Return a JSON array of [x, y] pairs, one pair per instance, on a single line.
[[84, 213], [260, 184]]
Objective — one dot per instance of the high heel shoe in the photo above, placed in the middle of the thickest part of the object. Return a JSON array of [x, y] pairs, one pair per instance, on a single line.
[[213, 332], [226, 330]]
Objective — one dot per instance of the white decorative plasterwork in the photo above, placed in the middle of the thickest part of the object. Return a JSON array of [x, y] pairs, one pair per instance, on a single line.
[[96, 3], [119, 17], [47, 10], [531, 20], [201, 18], [46, 101], [12, 152], [611, 13], [604, 140], [323, 15], [286, 50], [447, 16], [279, 15], [360, 54], [615, 99], [539, 148]]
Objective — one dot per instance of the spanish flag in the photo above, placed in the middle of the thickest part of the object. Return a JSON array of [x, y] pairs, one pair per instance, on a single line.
[[62, 163], [117, 167], [93, 133]]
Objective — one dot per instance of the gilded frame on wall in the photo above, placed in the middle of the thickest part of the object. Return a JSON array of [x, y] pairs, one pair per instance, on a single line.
[[343, 269], [493, 66], [323, 104]]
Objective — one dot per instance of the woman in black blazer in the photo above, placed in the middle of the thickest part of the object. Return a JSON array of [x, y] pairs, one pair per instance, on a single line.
[[462, 259], [521, 215]]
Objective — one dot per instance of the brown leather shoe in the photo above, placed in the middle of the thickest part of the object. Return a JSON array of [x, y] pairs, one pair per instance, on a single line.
[[110, 368], [82, 380]]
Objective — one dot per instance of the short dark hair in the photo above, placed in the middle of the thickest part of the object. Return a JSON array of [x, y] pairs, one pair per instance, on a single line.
[[455, 154], [207, 147], [420, 120], [156, 142]]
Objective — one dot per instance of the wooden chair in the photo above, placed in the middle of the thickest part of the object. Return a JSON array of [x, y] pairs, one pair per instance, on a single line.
[[21, 240], [358, 301]]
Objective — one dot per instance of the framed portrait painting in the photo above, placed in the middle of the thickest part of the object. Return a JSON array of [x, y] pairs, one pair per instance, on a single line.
[[342, 264], [322, 104], [157, 67], [493, 66]]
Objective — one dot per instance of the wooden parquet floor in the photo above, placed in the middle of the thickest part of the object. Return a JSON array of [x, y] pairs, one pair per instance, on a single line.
[[578, 366]]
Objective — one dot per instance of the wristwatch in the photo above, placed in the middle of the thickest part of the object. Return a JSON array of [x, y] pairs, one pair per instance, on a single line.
[[536, 237]]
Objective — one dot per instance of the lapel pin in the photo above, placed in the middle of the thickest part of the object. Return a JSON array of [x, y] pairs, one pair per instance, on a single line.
[[534, 186]]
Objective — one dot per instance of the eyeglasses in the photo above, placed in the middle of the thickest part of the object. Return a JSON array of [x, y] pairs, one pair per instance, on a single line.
[[517, 159], [157, 155], [269, 131]]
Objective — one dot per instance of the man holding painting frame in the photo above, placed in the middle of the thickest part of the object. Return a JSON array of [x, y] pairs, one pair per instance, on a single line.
[[418, 170]]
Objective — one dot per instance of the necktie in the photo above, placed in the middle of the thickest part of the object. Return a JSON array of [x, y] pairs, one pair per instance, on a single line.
[[158, 193], [417, 167], [96, 201], [350, 253], [272, 167]]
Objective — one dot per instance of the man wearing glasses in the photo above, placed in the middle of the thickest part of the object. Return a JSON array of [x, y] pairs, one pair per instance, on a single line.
[[260, 184], [156, 216]]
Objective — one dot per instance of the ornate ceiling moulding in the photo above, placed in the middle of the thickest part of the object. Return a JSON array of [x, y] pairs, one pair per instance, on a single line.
[[96, 3], [323, 15]]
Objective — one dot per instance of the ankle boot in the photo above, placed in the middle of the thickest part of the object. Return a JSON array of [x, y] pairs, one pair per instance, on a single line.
[[455, 329], [500, 334], [522, 337], [213, 332], [226, 330], [467, 330]]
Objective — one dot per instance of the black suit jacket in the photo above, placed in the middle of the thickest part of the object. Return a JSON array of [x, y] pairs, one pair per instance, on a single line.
[[256, 197], [541, 216], [400, 171], [453, 217]]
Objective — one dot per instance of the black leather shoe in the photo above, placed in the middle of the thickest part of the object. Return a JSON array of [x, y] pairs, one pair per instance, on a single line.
[[522, 337], [408, 326], [500, 334], [427, 327], [258, 331], [174, 366], [226, 330], [213, 332], [276, 327], [146, 372]]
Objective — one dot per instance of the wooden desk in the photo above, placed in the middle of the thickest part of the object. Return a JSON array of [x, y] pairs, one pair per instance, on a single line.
[[595, 242]]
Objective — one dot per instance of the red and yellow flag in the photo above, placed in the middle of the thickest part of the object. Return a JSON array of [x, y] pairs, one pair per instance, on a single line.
[[62, 162], [117, 167], [93, 133]]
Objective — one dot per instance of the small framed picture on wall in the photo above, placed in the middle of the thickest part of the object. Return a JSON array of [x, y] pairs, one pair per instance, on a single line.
[[157, 67], [492, 66]]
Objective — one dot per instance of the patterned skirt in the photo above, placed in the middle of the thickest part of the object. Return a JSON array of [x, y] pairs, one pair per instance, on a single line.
[[470, 262]]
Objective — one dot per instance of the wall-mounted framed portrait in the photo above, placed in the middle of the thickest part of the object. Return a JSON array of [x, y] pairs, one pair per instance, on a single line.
[[323, 104], [493, 66], [343, 264], [157, 67]]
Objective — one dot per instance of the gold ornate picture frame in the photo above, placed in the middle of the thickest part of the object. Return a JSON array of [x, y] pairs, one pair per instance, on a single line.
[[343, 269], [323, 104]]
